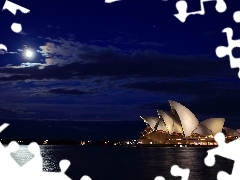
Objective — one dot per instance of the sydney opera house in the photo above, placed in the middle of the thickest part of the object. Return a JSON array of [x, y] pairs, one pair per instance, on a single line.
[[181, 127]]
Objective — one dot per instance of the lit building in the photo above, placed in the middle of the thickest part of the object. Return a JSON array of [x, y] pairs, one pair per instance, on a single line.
[[180, 126]]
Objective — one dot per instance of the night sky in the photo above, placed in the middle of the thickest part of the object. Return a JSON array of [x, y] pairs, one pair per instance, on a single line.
[[111, 63]]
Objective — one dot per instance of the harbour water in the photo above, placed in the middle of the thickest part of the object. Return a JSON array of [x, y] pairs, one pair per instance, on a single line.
[[123, 163]]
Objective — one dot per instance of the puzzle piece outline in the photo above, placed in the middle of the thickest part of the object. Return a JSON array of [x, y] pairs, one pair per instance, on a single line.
[[182, 7], [222, 51], [12, 7], [111, 1], [33, 168], [177, 171], [227, 150]]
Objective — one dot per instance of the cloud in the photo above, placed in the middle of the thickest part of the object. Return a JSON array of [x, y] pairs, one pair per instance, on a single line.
[[148, 43], [53, 27], [68, 91], [65, 51], [4, 110], [68, 58], [17, 111], [2, 51], [23, 33], [181, 86], [48, 92], [129, 42], [95, 61]]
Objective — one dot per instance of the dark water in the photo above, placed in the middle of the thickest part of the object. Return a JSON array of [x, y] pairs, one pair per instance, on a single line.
[[119, 163]]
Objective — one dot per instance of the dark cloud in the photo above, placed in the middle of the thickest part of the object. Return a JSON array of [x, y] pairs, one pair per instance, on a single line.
[[180, 86], [54, 90], [4, 110], [16, 111], [68, 91], [118, 65]]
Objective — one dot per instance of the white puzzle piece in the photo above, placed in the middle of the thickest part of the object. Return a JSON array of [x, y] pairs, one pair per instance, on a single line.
[[183, 14], [177, 171], [33, 168], [227, 150]]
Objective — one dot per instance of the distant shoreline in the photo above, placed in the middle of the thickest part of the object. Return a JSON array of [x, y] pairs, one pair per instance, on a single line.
[[98, 143], [170, 145]]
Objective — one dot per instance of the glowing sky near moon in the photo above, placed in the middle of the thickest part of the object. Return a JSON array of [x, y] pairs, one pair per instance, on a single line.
[[29, 53]]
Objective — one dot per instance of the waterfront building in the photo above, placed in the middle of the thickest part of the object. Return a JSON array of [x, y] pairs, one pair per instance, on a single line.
[[180, 126]]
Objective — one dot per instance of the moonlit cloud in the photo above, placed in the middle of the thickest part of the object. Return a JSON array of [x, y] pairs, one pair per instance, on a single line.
[[65, 51], [2, 51], [59, 52]]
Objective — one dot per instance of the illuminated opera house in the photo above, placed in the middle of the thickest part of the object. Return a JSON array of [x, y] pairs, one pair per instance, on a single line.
[[181, 127]]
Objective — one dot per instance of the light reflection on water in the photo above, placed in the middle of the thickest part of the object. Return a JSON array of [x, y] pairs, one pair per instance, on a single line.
[[50, 163], [123, 163]]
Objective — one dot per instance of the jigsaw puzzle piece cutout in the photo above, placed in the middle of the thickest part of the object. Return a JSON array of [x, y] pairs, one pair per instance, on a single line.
[[85, 177], [222, 51], [12, 7], [177, 171], [4, 125], [182, 6], [236, 16], [159, 178], [221, 6], [5, 152], [36, 162], [63, 164], [225, 176], [111, 1], [7, 163], [33, 168], [227, 150], [3, 47]]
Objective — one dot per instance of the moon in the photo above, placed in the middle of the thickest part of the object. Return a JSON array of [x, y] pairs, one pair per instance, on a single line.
[[29, 54]]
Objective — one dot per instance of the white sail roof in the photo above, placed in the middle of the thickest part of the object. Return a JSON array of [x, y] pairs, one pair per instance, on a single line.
[[232, 132], [177, 126], [203, 130], [167, 120], [188, 120], [214, 124], [171, 125], [161, 125], [182, 120], [151, 121]]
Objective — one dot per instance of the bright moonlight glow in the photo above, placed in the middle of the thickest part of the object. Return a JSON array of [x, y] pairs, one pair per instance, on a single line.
[[29, 53]]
